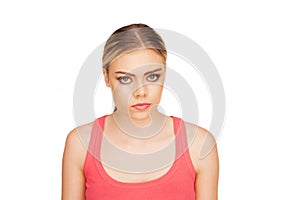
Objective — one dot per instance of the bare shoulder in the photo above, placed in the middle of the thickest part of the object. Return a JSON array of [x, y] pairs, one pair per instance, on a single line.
[[80, 135], [77, 143], [73, 180], [202, 144], [84, 133], [198, 136]]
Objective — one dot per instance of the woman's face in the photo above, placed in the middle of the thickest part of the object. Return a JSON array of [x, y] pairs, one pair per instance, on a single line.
[[136, 80]]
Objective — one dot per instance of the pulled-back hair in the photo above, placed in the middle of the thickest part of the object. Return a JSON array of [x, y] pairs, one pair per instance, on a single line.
[[130, 38]]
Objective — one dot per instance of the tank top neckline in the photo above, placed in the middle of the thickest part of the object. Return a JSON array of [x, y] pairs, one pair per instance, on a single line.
[[179, 131]]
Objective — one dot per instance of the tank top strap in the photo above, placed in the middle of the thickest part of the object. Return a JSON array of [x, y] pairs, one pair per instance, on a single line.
[[182, 148], [180, 134], [96, 136]]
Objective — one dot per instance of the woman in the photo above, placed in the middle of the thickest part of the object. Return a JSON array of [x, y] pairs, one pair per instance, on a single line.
[[137, 152]]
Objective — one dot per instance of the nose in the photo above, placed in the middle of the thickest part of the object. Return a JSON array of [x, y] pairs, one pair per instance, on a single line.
[[141, 92]]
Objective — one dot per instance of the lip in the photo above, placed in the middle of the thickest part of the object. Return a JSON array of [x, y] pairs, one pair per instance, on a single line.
[[141, 106]]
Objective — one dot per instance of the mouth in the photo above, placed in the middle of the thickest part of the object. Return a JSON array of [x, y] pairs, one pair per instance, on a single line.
[[141, 106]]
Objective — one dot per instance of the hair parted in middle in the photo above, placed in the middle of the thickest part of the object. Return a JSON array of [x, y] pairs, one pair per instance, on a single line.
[[130, 38]]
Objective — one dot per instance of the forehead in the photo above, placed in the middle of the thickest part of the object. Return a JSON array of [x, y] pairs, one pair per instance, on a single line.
[[145, 59]]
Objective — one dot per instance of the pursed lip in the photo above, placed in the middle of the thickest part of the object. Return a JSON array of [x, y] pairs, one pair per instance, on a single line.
[[141, 104]]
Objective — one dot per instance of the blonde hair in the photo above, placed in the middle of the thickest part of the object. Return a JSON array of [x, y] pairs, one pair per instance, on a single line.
[[130, 38]]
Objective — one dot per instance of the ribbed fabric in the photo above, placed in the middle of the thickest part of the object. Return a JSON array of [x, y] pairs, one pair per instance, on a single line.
[[177, 183]]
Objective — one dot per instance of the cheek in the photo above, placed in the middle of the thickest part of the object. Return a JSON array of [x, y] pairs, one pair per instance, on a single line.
[[155, 91], [122, 92], [121, 95]]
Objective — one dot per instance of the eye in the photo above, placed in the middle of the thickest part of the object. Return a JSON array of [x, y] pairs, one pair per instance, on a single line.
[[124, 79], [153, 77]]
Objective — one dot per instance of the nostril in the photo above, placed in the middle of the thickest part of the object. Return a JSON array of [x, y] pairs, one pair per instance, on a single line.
[[141, 91]]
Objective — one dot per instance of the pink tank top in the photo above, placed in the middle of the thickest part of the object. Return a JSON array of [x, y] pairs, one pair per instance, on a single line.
[[177, 183]]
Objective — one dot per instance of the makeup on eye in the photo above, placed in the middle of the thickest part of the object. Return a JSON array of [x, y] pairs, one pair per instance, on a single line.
[[124, 79], [128, 79], [153, 77]]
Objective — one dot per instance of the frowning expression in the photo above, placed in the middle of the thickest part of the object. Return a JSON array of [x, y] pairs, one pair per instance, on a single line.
[[136, 80]]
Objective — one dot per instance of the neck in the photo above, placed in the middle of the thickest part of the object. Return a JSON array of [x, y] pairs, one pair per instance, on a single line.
[[141, 127]]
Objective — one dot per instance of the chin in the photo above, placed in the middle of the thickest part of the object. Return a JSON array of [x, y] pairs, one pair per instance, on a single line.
[[140, 115]]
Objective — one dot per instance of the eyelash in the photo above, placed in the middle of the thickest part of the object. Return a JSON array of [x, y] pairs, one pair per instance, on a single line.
[[122, 77], [156, 75], [127, 77]]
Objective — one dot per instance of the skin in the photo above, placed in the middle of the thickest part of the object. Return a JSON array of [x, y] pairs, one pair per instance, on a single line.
[[127, 91]]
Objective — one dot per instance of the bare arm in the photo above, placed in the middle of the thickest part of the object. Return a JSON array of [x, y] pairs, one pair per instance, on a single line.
[[207, 167], [73, 181]]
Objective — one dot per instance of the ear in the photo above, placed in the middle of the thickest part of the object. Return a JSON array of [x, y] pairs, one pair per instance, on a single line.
[[106, 79]]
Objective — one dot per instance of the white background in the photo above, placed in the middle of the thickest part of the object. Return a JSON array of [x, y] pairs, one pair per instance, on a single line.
[[254, 44]]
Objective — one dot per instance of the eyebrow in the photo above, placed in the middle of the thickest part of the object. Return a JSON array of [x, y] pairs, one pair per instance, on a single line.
[[127, 73]]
